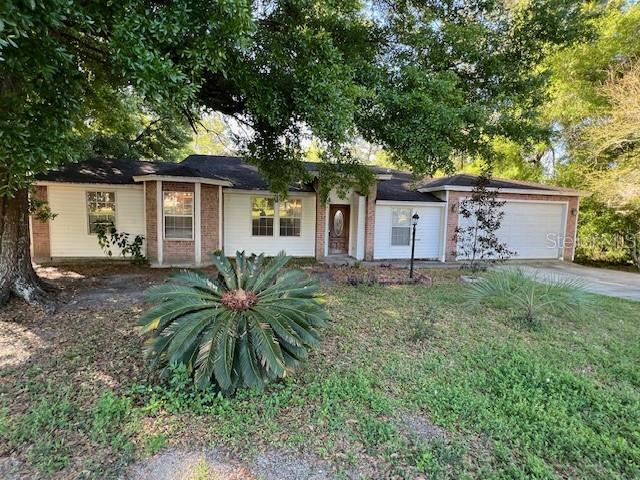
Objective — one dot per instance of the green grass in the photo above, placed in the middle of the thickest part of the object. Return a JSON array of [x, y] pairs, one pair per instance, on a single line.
[[561, 400]]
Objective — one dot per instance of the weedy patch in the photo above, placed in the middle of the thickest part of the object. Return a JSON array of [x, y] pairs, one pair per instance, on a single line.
[[409, 383]]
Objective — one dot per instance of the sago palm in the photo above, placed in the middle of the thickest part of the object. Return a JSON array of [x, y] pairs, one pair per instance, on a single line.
[[255, 322]]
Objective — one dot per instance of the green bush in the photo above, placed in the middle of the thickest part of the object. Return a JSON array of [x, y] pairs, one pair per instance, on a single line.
[[513, 288], [252, 324]]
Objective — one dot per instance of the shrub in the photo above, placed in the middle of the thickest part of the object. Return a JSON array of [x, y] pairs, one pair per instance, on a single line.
[[252, 324], [109, 238], [513, 288]]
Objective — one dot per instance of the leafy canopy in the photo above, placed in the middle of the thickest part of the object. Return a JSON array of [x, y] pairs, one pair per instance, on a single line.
[[594, 102], [422, 79]]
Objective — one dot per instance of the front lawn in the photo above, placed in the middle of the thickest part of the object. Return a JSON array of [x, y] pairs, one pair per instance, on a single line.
[[409, 381]]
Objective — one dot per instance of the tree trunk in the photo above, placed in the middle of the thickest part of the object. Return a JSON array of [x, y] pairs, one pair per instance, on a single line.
[[17, 276]]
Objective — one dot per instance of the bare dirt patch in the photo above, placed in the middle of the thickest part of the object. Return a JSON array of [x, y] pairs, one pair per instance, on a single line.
[[420, 427], [176, 464], [214, 464], [290, 465]]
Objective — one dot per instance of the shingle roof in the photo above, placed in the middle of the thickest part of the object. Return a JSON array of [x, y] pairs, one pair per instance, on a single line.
[[103, 170], [242, 175], [402, 187], [468, 180]]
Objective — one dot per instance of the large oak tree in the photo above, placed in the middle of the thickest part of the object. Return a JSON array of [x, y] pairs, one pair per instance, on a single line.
[[424, 79]]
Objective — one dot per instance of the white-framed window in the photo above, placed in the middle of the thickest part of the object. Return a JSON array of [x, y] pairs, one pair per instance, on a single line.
[[400, 226], [101, 211], [263, 212], [290, 216], [178, 215]]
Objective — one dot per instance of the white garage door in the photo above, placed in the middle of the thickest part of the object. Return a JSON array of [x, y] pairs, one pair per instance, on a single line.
[[533, 229], [393, 232]]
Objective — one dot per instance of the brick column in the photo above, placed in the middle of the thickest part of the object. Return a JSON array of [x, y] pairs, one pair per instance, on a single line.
[[370, 222], [40, 231], [321, 222], [151, 221], [210, 221], [570, 232]]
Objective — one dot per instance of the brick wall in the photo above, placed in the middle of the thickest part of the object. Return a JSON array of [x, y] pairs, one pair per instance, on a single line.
[[370, 222], [452, 218], [40, 231], [210, 215], [151, 214], [178, 251], [321, 224]]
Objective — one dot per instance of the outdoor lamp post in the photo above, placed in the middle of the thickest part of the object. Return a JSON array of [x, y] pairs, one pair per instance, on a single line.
[[414, 222]]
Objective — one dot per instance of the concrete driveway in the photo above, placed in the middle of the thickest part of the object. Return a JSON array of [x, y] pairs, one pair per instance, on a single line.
[[597, 280]]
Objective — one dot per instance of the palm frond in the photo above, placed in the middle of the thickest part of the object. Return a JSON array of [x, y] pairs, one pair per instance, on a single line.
[[268, 275], [158, 317], [250, 370], [184, 331], [169, 291], [196, 280], [254, 268], [225, 269], [530, 294], [267, 350], [208, 351], [223, 363]]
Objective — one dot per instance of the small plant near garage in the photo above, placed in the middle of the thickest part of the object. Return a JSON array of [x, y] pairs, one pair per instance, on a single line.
[[476, 237], [255, 323], [530, 297]]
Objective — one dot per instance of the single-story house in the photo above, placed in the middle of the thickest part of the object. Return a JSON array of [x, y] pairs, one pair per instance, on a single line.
[[189, 209]]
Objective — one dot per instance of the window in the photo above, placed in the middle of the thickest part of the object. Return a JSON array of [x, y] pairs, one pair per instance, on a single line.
[[178, 215], [101, 210], [400, 226], [290, 212], [262, 214]]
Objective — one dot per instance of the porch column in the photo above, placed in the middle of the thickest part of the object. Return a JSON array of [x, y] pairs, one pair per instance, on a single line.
[[159, 219], [360, 227], [321, 223], [197, 227], [370, 222]]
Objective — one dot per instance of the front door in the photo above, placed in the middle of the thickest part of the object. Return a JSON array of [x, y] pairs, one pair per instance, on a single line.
[[338, 229]]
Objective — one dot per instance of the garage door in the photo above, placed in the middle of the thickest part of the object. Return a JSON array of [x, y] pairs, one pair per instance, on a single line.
[[533, 229]]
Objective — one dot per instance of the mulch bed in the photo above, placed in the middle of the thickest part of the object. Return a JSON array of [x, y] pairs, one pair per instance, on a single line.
[[378, 275]]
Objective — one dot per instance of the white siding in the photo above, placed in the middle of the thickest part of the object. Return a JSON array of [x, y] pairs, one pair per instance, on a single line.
[[237, 228], [69, 230], [531, 229], [429, 232]]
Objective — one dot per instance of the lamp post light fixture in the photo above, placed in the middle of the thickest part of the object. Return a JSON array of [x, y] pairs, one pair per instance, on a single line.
[[414, 222]]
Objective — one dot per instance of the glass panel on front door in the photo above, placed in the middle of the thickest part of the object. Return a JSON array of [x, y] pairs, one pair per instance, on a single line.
[[338, 223]]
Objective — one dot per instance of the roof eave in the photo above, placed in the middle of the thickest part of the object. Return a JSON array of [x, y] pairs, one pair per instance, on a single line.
[[531, 191], [180, 179]]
